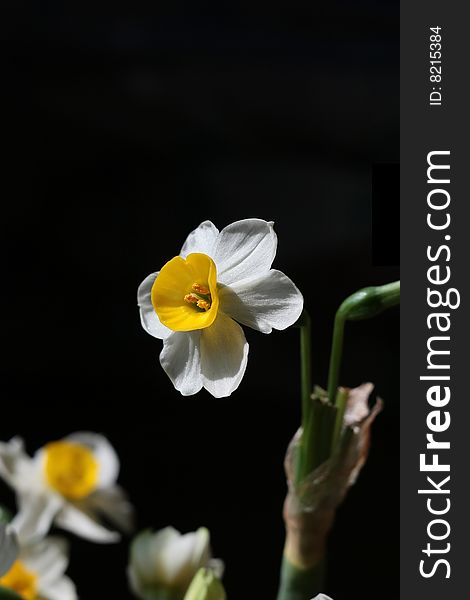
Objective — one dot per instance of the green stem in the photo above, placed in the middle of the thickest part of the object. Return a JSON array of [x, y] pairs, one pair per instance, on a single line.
[[304, 456], [300, 584], [336, 355]]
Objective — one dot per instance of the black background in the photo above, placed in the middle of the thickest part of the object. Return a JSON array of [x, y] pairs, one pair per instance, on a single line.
[[141, 128]]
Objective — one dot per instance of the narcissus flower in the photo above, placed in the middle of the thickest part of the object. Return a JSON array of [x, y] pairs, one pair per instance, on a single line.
[[197, 300], [8, 548], [71, 482], [38, 572], [167, 561]]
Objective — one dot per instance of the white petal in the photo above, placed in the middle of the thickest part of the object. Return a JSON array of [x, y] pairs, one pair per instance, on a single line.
[[322, 597], [180, 358], [62, 589], [201, 548], [244, 249], [8, 548], [224, 354], [48, 558], [180, 558], [217, 566], [36, 513], [146, 549], [136, 583], [113, 504], [148, 316], [16, 467], [103, 452], [201, 240], [78, 522], [269, 302]]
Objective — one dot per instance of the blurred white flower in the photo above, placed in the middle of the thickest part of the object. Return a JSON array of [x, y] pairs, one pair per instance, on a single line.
[[197, 300], [322, 597], [8, 548], [205, 586], [168, 560], [71, 482], [38, 572]]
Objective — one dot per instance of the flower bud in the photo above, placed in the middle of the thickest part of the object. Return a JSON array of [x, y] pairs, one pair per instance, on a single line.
[[370, 301], [164, 563]]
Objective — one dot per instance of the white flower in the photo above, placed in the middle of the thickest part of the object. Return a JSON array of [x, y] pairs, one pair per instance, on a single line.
[[167, 560], [322, 597], [38, 572], [197, 300], [71, 482], [8, 548]]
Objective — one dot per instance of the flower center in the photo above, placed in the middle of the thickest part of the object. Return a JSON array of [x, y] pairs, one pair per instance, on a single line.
[[199, 297], [71, 469], [184, 295], [20, 580]]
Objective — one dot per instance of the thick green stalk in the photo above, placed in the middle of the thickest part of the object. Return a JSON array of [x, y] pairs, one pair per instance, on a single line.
[[322, 423], [300, 584], [297, 582]]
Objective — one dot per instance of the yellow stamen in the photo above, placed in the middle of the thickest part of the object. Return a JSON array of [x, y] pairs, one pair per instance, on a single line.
[[185, 295], [200, 289], [21, 580], [203, 304], [191, 298], [71, 469]]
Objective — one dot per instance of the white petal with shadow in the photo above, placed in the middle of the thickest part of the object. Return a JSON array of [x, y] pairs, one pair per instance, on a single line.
[[35, 515], [48, 558], [224, 356], [77, 521], [269, 302], [180, 358], [8, 548], [244, 249], [148, 316], [113, 504], [103, 452], [62, 589], [202, 240]]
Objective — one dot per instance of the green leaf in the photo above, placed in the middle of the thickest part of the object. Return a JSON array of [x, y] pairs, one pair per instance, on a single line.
[[6, 594], [205, 586]]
